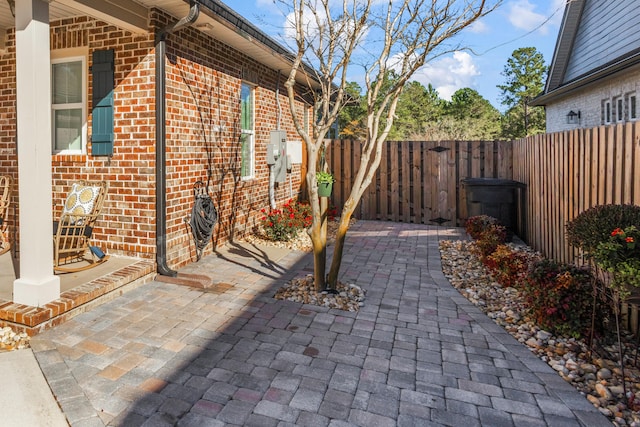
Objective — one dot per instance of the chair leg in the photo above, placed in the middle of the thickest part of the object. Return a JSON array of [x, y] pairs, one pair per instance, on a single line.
[[66, 268]]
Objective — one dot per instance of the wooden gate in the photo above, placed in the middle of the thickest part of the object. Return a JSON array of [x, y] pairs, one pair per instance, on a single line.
[[418, 181]]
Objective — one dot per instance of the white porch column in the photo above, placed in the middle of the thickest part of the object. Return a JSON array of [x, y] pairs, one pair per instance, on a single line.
[[37, 285]]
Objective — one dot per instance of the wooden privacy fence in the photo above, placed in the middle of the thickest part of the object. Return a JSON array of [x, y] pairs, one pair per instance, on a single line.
[[418, 181], [567, 173], [564, 174]]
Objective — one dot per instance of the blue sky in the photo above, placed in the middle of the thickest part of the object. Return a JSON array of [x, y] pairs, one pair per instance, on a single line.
[[515, 24]]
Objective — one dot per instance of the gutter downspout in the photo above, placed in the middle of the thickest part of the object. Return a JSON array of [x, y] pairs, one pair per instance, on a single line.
[[161, 142]]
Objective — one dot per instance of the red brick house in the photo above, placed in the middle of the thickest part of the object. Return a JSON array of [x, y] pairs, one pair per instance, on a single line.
[[83, 85]]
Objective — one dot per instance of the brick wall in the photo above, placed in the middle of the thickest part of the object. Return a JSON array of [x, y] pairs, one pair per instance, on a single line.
[[8, 159], [203, 112], [204, 77]]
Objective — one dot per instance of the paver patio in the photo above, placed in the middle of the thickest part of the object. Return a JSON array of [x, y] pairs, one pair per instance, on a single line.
[[417, 354]]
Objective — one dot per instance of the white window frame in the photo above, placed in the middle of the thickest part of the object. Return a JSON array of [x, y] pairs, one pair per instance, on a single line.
[[619, 109], [249, 134], [632, 106], [606, 112], [81, 105]]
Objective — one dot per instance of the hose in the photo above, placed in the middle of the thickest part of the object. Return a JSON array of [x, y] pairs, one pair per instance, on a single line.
[[203, 218]]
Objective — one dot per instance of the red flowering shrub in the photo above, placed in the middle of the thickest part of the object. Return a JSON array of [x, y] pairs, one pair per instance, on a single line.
[[620, 256], [559, 297], [593, 226], [476, 225], [284, 224], [509, 267], [488, 240]]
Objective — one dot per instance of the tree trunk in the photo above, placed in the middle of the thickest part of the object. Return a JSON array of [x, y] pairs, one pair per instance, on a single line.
[[319, 242], [341, 234]]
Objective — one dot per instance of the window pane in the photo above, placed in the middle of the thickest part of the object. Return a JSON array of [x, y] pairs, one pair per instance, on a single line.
[[632, 107], [67, 126], [67, 82], [246, 154], [247, 107], [620, 110]]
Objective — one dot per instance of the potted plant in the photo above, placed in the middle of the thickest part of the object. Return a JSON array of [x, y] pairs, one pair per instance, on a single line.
[[325, 183]]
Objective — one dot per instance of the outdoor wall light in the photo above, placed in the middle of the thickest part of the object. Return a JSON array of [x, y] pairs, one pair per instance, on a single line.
[[573, 118], [12, 6]]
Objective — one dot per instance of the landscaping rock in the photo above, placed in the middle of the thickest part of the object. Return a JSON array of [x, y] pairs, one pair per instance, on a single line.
[[350, 297], [10, 340]]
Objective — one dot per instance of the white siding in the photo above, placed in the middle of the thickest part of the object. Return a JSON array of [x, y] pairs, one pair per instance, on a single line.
[[589, 102], [607, 30]]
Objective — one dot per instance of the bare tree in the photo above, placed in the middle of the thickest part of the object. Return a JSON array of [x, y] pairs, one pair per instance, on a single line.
[[393, 35]]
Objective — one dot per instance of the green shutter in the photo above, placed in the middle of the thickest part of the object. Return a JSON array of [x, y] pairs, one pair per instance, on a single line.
[[102, 113]]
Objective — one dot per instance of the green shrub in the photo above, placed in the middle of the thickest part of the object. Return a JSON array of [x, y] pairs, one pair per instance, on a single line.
[[509, 267], [284, 224], [559, 297], [594, 225]]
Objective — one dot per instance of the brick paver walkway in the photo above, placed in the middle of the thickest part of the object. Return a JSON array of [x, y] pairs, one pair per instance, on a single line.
[[417, 354]]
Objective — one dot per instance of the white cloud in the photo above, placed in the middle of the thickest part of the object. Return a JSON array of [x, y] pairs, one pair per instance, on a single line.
[[557, 7], [523, 14], [478, 27], [449, 74]]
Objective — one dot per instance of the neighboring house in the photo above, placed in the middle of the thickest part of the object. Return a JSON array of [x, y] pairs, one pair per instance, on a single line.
[[594, 78], [83, 84]]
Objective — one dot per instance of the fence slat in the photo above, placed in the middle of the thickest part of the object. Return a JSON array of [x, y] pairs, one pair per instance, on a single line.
[[417, 182], [489, 159], [628, 163], [453, 185], [476, 159], [384, 183], [602, 166], [405, 169], [395, 182]]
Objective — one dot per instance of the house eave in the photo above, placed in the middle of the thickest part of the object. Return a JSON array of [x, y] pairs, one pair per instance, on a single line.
[[126, 14], [581, 82], [234, 30]]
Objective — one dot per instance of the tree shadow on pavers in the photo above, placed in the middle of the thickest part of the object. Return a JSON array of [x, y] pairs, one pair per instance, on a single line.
[[227, 362], [252, 252]]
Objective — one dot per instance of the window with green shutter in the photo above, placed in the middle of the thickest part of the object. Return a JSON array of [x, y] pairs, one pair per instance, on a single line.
[[102, 113]]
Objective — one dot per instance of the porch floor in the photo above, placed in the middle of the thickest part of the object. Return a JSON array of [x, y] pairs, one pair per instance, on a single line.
[[78, 292]]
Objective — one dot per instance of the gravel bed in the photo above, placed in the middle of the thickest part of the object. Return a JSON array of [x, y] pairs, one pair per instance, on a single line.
[[10, 340]]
